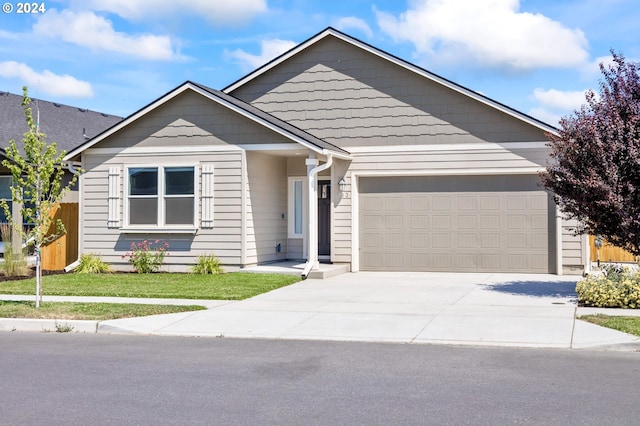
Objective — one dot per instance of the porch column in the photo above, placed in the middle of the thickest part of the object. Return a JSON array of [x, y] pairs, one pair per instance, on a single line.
[[312, 231]]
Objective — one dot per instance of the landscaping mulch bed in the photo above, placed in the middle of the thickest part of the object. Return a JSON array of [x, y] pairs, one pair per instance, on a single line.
[[32, 273]]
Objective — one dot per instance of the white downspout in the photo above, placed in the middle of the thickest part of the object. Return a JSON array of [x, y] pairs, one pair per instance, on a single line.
[[312, 260]]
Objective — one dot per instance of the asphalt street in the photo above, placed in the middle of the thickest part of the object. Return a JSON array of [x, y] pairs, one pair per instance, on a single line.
[[99, 379]]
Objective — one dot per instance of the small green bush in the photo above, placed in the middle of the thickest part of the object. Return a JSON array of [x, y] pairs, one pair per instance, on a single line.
[[207, 265], [620, 289], [92, 264]]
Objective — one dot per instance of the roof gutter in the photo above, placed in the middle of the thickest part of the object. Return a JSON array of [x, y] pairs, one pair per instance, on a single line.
[[336, 154], [312, 261]]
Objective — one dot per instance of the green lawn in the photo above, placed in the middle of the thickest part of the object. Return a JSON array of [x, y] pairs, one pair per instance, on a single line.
[[87, 311], [231, 286], [629, 325]]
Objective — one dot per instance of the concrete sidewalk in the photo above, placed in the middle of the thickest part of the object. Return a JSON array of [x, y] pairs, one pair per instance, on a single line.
[[435, 308]]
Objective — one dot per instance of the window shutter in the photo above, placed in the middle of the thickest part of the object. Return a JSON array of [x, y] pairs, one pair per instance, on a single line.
[[113, 220], [206, 196]]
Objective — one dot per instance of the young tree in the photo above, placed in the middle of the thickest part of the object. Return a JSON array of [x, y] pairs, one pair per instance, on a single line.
[[594, 170], [37, 185]]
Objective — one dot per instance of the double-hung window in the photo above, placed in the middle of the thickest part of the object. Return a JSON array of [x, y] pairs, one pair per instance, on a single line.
[[161, 197], [179, 198]]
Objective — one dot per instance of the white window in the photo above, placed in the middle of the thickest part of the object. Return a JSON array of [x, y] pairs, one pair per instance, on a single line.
[[160, 197], [297, 207], [179, 196]]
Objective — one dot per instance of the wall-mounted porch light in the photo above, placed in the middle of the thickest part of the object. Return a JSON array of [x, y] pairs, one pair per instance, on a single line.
[[342, 186]]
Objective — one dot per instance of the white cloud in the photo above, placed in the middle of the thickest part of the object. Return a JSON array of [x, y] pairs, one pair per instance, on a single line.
[[558, 99], [546, 116], [218, 12], [591, 70], [46, 81], [90, 30], [554, 104], [348, 22], [488, 32], [9, 36], [269, 49]]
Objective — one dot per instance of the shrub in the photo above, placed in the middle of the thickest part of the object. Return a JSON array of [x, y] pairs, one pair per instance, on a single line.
[[620, 289], [92, 264], [207, 265], [15, 263], [615, 271], [147, 257]]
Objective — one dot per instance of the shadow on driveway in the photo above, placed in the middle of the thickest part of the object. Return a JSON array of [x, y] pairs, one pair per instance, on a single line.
[[556, 289]]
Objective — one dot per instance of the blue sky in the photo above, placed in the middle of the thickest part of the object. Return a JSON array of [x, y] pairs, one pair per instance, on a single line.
[[116, 56]]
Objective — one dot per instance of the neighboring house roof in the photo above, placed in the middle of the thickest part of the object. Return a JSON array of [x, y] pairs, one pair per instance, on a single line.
[[331, 32], [249, 111], [65, 125]]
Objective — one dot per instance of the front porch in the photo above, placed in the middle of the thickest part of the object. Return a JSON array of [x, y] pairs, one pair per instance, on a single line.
[[296, 267]]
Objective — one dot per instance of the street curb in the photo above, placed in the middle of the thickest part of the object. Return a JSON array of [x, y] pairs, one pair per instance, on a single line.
[[95, 327], [49, 325]]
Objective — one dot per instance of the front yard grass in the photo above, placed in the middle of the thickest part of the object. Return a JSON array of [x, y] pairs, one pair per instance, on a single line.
[[231, 286], [87, 311], [629, 325]]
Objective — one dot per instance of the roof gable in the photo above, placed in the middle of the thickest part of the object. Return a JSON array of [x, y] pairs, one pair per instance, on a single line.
[[331, 32], [291, 132]]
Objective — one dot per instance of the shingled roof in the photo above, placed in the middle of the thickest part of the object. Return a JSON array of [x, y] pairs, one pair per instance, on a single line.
[[66, 125]]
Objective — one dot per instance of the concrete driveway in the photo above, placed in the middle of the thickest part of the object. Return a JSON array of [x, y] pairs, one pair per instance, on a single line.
[[478, 309]]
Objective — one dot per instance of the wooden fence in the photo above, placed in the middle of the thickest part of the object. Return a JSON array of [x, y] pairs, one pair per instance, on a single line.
[[64, 250], [609, 253]]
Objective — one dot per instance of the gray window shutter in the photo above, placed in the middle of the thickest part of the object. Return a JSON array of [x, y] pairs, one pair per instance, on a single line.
[[113, 220], [206, 196]]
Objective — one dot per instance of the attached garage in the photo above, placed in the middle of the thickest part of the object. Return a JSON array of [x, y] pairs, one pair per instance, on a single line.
[[478, 223]]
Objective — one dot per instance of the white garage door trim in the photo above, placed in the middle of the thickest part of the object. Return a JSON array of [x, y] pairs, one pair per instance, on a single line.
[[355, 207]]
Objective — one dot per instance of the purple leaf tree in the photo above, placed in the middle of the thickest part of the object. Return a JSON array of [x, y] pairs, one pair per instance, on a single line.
[[594, 168]]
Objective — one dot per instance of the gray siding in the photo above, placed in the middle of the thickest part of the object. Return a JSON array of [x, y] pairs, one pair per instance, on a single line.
[[266, 208], [223, 240], [349, 97], [352, 98], [295, 249], [192, 129], [573, 249], [342, 205], [190, 119], [440, 161]]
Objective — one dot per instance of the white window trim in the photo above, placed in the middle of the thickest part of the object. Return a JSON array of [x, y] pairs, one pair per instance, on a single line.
[[291, 206], [189, 228]]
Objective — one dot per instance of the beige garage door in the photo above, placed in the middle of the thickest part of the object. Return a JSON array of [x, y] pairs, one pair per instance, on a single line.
[[456, 223]]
